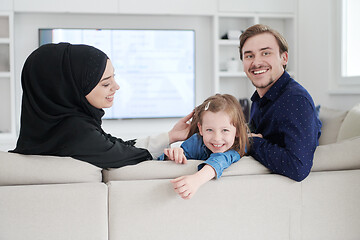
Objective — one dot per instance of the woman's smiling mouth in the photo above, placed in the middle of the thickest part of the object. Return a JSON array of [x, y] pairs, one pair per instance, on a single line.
[[110, 98]]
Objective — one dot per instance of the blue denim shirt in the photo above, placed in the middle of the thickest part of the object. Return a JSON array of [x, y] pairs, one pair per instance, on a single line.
[[194, 148], [287, 119]]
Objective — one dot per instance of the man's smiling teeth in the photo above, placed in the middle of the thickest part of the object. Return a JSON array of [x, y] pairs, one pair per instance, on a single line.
[[259, 71], [109, 97]]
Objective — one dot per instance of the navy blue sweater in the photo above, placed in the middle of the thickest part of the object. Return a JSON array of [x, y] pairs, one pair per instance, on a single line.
[[287, 119]]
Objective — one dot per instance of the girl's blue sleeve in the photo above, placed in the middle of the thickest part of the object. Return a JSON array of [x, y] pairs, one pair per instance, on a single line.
[[193, 148], [221, 161]]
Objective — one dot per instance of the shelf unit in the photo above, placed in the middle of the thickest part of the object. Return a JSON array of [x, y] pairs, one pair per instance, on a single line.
[[236, 82], [7, 105]]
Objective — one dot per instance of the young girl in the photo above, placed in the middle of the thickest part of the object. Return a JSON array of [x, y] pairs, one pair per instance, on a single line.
[[218, 134]]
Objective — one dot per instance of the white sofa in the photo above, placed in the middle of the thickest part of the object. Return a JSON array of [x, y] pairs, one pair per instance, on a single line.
[[45, 197]]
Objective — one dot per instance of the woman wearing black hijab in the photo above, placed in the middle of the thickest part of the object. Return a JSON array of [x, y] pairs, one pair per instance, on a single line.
[[65, 87]]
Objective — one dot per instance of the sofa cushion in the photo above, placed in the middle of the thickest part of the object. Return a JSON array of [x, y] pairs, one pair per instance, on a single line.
[[57, 212], [351, 124], [18, 169], [330, 206], [331, 121], [169, 169], [343, 155]]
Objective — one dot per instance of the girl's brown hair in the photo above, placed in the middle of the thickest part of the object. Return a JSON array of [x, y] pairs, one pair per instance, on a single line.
[[230, 105]]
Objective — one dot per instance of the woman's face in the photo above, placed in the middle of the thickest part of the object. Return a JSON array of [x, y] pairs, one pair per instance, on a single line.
[[102, 96]]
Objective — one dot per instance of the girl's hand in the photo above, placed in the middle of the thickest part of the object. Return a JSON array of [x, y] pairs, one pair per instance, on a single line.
[[186, 186], [181, 129], [255, 135], [175, 154]]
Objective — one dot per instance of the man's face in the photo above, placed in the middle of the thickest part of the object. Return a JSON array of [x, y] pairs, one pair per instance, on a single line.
[[263, 63]]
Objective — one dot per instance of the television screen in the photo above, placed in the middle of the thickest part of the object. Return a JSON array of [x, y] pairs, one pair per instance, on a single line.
[[155, 69]]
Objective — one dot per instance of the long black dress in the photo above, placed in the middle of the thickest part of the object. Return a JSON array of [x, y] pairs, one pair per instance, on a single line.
[[56, 118]]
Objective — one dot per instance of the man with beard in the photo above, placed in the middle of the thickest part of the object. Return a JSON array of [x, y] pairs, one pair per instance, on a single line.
[[283, 121]]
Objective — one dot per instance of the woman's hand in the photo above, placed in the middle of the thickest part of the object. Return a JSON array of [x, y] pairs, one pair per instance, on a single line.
[[181, 129], [175, 154]]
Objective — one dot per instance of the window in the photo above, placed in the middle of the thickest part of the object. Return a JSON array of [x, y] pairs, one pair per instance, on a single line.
[[350, 38], [345, 48]]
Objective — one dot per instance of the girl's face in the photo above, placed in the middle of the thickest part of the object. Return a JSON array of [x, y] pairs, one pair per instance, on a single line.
[[217, 131], [102, 96]]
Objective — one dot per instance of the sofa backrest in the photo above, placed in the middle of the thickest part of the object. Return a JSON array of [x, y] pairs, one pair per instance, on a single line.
[[168, 170], [18, 169]]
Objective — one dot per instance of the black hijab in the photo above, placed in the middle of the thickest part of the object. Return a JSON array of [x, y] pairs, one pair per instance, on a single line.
[[56, 118]]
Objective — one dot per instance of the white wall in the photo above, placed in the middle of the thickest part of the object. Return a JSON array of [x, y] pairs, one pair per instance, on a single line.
[[316, 44]]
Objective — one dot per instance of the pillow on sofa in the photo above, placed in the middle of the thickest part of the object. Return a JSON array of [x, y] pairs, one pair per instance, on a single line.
[[331, 121], [351, 125], [343, 155]]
